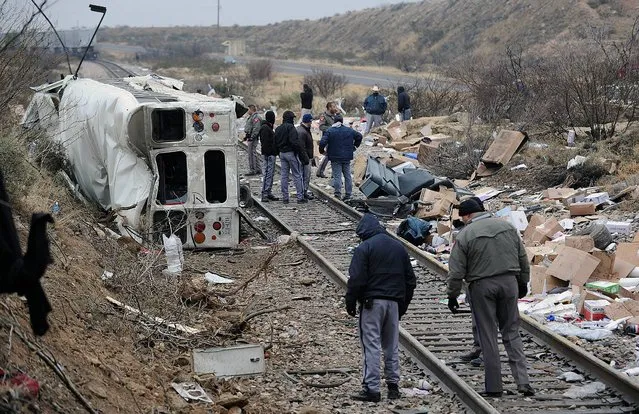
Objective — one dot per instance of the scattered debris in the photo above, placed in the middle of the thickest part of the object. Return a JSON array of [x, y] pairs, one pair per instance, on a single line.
[[586, 391], [233, 361], [216, 279], [191, 391]]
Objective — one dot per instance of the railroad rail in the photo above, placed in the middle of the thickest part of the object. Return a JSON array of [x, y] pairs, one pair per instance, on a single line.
[[436, 338], [114, 69]]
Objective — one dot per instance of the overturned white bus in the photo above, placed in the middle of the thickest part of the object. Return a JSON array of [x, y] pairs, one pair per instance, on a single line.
[[164, 160]]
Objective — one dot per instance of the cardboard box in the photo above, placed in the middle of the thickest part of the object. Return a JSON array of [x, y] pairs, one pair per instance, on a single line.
[[518, 219], [627, 308], [605, 286], [443, 227], [543, 232], [426, 151], [594, 310], [433, 204], [597, 198], [628, 252], [541, 283], [573, 265], [503, 147], [583, 243], [582, 209], [567, 196], [535, 220], [620, 227], [622, 268], [606, 268], [536, 254]]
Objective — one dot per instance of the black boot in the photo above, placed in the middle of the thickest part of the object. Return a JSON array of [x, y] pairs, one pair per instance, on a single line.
[[526, 389], [367, 396], [470, 356], [393, 392]]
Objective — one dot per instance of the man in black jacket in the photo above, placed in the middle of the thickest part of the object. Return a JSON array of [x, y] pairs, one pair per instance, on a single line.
[[306, 141], [21, 274], [290, 150], [307, 99], [403, 104], [269, 152], [382, 281]]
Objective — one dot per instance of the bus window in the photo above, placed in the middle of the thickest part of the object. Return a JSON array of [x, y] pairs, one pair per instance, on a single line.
[[173, 185], [168, 124], [215, 177]]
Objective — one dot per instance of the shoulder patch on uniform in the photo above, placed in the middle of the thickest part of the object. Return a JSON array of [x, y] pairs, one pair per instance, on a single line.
[[256, 120]]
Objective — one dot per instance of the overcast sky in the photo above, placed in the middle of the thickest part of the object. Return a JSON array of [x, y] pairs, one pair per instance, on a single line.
[[71, 13]]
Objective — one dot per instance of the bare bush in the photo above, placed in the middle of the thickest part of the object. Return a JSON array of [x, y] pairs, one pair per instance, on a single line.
[[429, 96], [325, 82], [260, 69]]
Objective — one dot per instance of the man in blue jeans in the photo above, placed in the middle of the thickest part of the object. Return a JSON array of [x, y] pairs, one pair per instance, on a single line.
[[288, 144], [342, 142]]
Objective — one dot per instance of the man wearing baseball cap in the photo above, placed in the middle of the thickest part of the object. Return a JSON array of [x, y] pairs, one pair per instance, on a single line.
[[490, 256], [375, 106], [306, 142]]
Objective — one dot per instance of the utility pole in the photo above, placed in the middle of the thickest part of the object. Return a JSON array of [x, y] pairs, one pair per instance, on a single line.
[[218, 16]]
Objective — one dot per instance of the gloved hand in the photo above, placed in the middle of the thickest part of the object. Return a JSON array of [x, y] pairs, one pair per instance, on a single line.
[[453, 305], [322, 151], [351, 307], [523, 290]]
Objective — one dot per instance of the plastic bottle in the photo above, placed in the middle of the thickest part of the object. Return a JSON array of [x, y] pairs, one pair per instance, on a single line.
[[173, 252], [55, 209]]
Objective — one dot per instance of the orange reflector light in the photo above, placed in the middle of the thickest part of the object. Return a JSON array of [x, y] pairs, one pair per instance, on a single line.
[[199, 238], [214, 237], [215, 126]]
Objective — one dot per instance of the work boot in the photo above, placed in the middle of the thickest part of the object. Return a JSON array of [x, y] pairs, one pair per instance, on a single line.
[[471, 355], [347, 198], [302, 201], [309, 196], [393, 392], [477, 362], [367, 396], [265, 200], [526, 389], [491, 394], [272, 197]]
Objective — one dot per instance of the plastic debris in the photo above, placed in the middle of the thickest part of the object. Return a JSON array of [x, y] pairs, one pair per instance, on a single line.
[[578, 160], [586, 391], [572, 330], [571, 377], [191, 391], [213, 278], [106, 275], [174, 254]]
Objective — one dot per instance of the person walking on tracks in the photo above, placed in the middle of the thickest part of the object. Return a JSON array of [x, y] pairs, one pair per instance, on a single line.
[[375, 105], [269, 153], [325, 122], [306, 97], [382, 281], [490, 255], [341, 141], [306, 141], [251, 135], [288, 144]]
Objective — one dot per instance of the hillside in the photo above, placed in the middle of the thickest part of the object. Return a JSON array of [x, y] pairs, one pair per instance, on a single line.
[[432, 31]]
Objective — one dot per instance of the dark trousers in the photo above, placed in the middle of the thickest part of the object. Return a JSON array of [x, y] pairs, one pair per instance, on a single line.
[[494, 304]]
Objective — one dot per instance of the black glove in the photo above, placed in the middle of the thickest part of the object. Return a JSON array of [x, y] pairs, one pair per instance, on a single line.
[[523, 289], [453, 305], [322, 151], [351, 307]]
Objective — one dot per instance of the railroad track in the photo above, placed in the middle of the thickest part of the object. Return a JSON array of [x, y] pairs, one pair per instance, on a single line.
[[436, 338], [114, 69]]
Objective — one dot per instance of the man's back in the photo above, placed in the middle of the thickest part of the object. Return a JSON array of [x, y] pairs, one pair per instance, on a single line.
[[341, 142]]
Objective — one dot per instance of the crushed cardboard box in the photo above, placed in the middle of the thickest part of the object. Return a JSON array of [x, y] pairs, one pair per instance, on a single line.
[[502, 149], [433, 204], [573, 265], [623, 309], [582, 209], [583, 243], [540, 282]]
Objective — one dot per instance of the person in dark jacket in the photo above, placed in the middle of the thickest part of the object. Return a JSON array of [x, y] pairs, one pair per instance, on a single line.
[[269, 152], [307, 99], [306, 141], [290, 150], [341, 141], [325, 122], [490, 256], [382, 281], [403, 104], [375, 106], [21, 274]]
